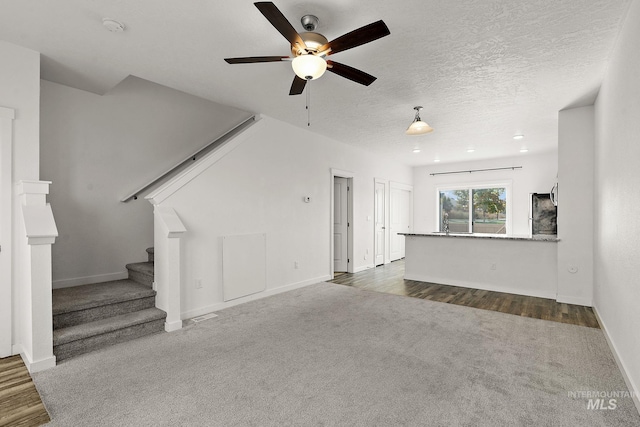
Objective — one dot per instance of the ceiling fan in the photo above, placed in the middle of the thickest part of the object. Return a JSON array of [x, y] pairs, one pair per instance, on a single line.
[[309, 49]]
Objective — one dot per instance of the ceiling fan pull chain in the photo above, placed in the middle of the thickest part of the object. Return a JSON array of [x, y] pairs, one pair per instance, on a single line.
[[308, 103]]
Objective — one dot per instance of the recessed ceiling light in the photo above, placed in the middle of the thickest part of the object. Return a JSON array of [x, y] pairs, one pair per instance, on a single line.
[[436, 160], [113, 25], [518, 137], [524, 150], [416, 150], [470, 150]]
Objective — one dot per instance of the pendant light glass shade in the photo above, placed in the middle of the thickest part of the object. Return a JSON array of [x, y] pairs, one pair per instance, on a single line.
[[418, 127], [309, 67]]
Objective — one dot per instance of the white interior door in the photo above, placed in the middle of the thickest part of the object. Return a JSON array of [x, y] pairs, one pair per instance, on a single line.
[[379, 219], [400, 219], [340, 224]]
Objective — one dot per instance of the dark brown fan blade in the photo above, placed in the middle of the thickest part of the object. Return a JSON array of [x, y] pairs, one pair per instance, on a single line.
[[358, 37], [277, 19], [254, 59], [297, 86], [350, 73]]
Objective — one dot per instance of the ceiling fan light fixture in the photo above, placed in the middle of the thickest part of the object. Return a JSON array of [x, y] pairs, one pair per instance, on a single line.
[[309, 49], [309, 67], [418, 127]]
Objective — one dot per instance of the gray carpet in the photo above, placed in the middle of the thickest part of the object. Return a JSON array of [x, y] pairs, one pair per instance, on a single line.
[[331, 355]]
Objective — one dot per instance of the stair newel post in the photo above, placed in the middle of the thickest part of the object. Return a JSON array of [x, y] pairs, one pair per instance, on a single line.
[[35, 277], [168, 230]]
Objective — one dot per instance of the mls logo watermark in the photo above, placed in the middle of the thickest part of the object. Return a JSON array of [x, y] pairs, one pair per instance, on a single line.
[[601, 400], [602, 404]]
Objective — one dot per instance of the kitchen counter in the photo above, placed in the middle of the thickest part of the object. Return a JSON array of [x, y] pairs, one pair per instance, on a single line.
[[511, 264], [537, 238]]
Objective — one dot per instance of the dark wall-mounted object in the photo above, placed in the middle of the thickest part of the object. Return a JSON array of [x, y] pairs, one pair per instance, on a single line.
[[544, 214]]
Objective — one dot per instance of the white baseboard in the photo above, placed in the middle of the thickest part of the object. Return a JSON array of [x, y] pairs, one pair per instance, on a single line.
[[89, 280], [172, 326], [484, 286], [587, 302], [219, 306], [628, 380], [363, 268], [37, 365]]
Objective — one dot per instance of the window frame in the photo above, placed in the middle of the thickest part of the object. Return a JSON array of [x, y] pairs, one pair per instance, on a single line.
[[506, 184]]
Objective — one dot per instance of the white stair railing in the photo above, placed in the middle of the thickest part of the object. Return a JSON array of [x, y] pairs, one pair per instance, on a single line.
[[189, 160]]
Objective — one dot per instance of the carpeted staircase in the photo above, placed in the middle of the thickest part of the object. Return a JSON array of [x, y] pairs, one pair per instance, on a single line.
[[89, 317]]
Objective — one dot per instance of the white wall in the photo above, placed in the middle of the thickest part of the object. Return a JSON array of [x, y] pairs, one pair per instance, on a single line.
[[575, 205], [514, 266], [617, 177], [259, 188], [97, 150], [20, 90], [538, 174]]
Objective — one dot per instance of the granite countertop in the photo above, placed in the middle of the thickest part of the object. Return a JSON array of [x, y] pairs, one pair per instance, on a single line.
[[536, 238]]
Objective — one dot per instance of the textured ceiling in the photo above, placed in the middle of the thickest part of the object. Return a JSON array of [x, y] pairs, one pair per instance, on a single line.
[[484, 70]]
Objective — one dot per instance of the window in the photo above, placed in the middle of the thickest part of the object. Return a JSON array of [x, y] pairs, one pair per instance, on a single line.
[[474, 209]]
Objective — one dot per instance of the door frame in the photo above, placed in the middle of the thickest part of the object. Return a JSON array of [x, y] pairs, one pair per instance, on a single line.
[[349, 176], [387, 241], [403, 187], [7, 116], [342, 224]]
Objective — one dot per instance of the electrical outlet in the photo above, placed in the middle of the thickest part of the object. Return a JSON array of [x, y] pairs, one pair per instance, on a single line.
[[198, 283]]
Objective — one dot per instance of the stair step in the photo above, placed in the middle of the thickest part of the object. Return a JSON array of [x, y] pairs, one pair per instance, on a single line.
[[141, 272], [87, 303], [79, 339], [89, 317]]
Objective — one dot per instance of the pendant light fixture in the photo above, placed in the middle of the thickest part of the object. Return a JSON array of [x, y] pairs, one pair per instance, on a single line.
[[418, 127]]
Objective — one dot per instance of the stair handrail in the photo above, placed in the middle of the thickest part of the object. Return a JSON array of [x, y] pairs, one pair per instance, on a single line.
[[210, 146]]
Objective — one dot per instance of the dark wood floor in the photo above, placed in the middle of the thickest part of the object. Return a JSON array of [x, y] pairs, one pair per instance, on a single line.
[[390, 279], [20, 403]]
